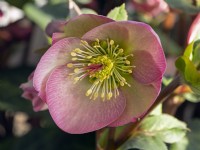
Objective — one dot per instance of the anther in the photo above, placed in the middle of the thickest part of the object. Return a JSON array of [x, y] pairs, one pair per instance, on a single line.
[[74, 59], [111, 42], [109, 95], [70, 65], [73, 54], [121, 50], [84, 42], [76, 79], [97, 40], [78, 50], [76, 70], [128, 62], [89, 57], [121, 83], [130, 71], [88, 92]]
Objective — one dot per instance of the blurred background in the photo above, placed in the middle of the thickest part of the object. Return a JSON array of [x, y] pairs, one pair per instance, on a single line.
[[23, 41]]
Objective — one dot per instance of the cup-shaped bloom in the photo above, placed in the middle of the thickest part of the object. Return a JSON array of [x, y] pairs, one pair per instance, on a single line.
[[101, 73], [151, 7], [194, 31], [31, 94]]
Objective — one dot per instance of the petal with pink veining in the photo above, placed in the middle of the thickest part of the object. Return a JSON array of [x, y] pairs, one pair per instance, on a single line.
[[79, 25], [146, 69], [56, 55], [74, 112], [38, 104], [139, 99], [55, 26], [57, 37], [132, 36]]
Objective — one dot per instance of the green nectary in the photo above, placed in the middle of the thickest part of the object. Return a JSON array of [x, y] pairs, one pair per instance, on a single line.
[[105, 63]]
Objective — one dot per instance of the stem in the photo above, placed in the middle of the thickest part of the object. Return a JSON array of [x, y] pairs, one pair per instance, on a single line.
[[74, 9], [194, 2], [97, 139], [98, 135], [111, 142], [166, 92], [172, 103]]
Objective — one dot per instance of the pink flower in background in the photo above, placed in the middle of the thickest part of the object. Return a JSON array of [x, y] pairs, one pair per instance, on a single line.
[[151, 7], [31, 94], [1, 13], [194, 32], [99, 73]]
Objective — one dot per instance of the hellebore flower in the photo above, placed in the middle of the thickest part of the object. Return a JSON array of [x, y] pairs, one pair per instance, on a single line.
[[31, 94], [101, 73], [194, 31], [151, 7]]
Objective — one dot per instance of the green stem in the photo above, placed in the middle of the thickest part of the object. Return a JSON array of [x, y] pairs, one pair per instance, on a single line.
[[166, 92], [111, 142], [97, 139]]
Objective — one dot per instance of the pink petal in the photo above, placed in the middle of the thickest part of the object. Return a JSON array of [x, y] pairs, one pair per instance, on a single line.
[[38, 104], [74, 112], [139, 99], [31, 94], [151, 7], [55, 26], [57, 37], [194, 32], [134, 36], [79, 25], [56, 55], [146, 69]]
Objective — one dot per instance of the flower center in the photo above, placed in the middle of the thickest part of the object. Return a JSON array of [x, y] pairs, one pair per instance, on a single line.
[[105, 64], [105, 67]]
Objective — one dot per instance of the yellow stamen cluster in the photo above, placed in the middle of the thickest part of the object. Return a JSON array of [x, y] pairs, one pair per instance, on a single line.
[[105, 64]]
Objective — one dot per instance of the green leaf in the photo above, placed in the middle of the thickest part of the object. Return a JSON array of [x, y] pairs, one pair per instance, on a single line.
[[196, 52], [42, 16], [157, 110], [189, 72], [192, 97], [37, 16], [118, 13], [166, 127], [188, 69], [88, 11], [18, 3], [184, 5], [191, 141], [188, 51], [193, 52], [143, 142], [181, 145]]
